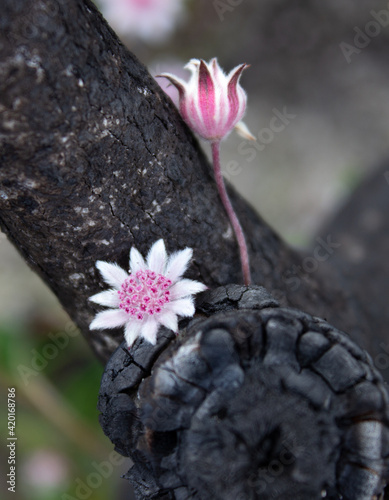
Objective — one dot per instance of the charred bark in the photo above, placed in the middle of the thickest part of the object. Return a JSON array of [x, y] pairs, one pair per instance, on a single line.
[[95, 159], [254, 401], [361, 228]]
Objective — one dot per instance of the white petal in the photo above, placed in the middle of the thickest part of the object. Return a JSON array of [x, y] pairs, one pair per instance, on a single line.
[[131, 332], [177, 82], [178, 264], [136, 261], [183, 307], [185, 287], [242, 130], [109, 319], [156, 258], [149, 330], [216, 69], [112, 274], [193, 66], [169, 320], [108, 298]]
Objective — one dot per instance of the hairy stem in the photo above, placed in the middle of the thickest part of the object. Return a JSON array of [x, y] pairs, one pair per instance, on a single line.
[[244, 256]]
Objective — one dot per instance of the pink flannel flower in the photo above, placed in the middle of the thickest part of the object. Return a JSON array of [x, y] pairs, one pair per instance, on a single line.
[[153, 293], [211, 102], [150, 20]]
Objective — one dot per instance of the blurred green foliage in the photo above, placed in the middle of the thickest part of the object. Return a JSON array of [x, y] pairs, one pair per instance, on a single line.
[[53, 404]]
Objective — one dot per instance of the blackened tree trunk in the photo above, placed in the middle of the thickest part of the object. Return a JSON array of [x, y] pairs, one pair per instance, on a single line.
[[96, 159], [253, 401], [361, 228]]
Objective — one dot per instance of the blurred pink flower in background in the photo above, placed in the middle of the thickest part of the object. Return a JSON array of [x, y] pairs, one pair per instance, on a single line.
[[45, 469], [149, 20]]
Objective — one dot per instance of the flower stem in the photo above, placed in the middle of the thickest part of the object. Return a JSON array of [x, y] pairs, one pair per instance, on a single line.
[[244, 256]]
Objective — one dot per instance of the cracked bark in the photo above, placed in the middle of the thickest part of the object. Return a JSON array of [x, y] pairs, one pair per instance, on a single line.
[[252, 401], [95, 159]]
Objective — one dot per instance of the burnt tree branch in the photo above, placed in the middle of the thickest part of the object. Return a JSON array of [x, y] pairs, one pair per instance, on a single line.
[[96, 159], [252, 401]]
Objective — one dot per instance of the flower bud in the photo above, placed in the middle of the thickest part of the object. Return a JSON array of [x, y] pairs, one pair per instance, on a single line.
[[211, 102]]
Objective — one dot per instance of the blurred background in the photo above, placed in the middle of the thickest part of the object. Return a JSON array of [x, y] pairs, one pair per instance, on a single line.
[[319, 72]]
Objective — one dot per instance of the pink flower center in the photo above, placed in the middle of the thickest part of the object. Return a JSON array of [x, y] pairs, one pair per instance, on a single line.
[[142, 4], [144, 292]]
